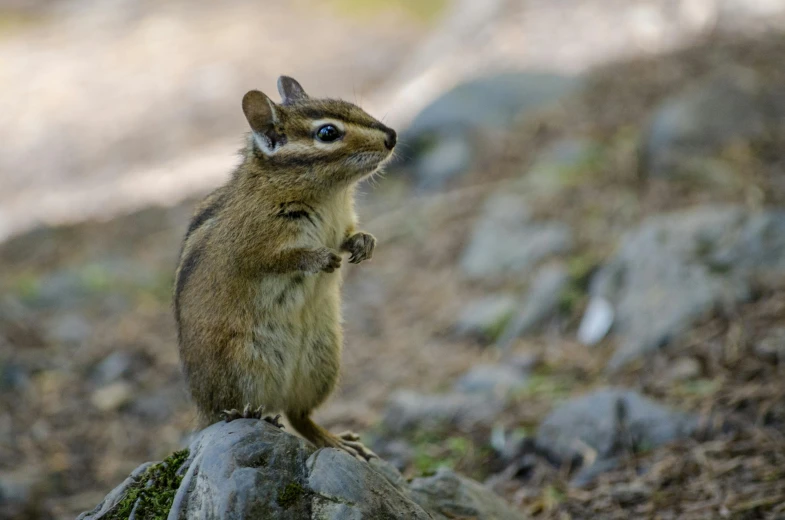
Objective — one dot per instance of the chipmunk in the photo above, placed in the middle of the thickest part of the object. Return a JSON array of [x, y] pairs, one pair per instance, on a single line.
[[257, 289]]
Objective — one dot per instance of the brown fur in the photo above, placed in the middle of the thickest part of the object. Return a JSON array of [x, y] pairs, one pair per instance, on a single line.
[[257, 290]]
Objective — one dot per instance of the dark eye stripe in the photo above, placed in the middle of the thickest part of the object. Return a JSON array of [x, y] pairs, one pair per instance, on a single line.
[[315, 113]]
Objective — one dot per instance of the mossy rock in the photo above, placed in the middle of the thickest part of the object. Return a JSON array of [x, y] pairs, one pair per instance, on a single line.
[[251, 469], [151, 496]]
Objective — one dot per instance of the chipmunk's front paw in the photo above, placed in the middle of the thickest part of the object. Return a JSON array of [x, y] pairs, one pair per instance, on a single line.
[[361, 246], [327, 260]]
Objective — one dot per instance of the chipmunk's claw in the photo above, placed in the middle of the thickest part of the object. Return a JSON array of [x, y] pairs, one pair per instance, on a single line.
[[350, 442], [361, 246], [275, 421], [247, 413]]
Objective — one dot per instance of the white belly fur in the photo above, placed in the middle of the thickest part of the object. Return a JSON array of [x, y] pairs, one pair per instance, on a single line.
[[297, 339], [296, 346]]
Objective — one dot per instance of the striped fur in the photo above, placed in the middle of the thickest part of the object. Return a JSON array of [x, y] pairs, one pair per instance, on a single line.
[[257, 290]]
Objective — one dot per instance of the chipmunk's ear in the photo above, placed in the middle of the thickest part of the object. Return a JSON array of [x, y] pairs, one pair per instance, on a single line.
[[290, 90], [262, 116], [259, 111]]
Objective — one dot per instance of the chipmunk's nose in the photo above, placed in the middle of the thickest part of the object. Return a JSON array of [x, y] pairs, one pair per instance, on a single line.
[[391, 139]]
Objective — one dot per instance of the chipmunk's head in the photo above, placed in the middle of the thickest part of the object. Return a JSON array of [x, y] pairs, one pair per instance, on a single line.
[[326, 141]]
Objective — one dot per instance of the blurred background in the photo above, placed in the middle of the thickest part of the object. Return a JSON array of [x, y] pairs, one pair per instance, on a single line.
[[578, 293]]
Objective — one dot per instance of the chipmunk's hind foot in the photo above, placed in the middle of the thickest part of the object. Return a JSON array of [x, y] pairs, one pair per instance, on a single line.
[[275, 421], [246, 413]]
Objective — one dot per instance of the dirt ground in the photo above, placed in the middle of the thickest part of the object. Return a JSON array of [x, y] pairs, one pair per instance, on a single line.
[[89, 371]]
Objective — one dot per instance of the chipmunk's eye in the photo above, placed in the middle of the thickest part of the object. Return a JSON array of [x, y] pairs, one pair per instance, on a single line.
[[328, 133]]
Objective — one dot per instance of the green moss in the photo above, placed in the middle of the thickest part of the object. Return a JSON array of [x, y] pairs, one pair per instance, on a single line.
[[555, 386], [571, 299], [553, 496], [290, 494], [494, 330], [580, 268], [96, 278], [426, 464], [27, 286], [433, 452], [153, 492], [697, 387]]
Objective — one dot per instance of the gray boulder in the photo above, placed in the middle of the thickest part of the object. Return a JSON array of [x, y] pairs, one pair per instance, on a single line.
[[506, 239], [496, 379], [733, 105], [251, 469], [345, 488], [447, 495], [443, 140], [407, 410], [677, 268], [595, 428], [542, 302]]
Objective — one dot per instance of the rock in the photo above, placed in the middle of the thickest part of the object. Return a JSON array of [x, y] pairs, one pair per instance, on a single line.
[[113, 367], [345, 488], [508, 445], [112, 397], [677, 268], [594, 428], [442, 141], [495, 379], [448, 156], [524, 362], [596, 322], [447, 495], [728, 107], [21, 492], [250, 469], [14, 377], [506, 240], [589, 473], [70, 329], [485, 319], [408, 410], [64, 289], [542, 302], [104, 509]]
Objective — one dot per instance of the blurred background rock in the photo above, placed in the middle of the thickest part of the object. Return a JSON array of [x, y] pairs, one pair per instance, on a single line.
[[579, 290]]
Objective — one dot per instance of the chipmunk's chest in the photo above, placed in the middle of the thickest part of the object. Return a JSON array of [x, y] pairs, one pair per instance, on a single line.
[[288, 296], [297, 314], [322, 226]]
